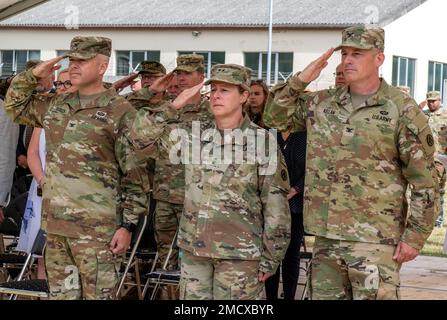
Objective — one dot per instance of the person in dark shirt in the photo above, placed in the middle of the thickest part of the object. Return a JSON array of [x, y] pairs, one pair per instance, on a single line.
[[256, 102], [21, 153], [293, 146]]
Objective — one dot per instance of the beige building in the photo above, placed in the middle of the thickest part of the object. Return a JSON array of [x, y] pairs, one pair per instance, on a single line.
[[235, 31]]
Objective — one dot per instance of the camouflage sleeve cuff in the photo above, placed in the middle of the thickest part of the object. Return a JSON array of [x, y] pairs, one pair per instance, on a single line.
[[30, 77], [296, 85], [28, 81], [130, 216], [170, 112], [268, 266], [414, 239]]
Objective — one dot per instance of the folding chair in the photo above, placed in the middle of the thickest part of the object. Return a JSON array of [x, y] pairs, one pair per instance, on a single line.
[[13, 215], [29, 287], [19, 188], [143, 252], [21, 185], [163, 276], [306, 259], [10, 261]]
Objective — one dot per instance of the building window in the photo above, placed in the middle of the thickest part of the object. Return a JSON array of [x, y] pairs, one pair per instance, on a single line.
[[14, 61], [404, 71], [129, 61], [281, 66], [437, 76], [211, 58], [64, 62]]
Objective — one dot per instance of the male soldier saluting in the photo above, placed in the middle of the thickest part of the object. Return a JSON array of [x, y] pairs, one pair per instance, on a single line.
[[150, 72], [367, 142], [93, 190], [169, 180]]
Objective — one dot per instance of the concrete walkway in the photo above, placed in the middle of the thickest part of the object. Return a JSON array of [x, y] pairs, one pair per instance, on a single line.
[[425, 278]]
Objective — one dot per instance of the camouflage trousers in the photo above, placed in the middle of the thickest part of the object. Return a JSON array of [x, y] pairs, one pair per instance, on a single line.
[[442, 176], [343, 270], [80, 269], [219, 279], [167, 218]]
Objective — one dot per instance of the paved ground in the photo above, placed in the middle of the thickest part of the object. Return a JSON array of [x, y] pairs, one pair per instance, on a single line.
[[422, 279]]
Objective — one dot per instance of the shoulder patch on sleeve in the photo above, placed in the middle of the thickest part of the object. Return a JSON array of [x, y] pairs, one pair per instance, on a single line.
[[284, 175], [430, 140], [418, 125]]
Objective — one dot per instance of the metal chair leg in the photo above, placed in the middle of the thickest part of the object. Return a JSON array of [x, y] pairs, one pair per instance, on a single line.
[[130, 261], [146, 285], [137, 279]]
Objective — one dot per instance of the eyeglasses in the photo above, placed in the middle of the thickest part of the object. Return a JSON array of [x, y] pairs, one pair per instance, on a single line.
[[67, 84], [149, 76]]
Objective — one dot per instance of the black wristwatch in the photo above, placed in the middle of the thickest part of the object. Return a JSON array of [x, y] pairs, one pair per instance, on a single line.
[[131, 227]]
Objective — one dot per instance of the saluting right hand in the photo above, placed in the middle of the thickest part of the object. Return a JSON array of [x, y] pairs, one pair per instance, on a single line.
[[125, 82], [161, 84], [313, 70], [185, 97], [47, 68]]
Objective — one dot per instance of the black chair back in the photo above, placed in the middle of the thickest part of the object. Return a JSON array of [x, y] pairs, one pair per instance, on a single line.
[[13, 216], [39, 243]]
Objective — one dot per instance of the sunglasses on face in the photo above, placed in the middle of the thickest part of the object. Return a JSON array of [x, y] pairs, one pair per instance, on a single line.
[[58, 84]]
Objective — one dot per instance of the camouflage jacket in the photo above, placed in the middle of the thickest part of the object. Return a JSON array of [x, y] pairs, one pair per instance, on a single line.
[[92, 179], [360, 161], [230, 211], [169, 179], [142, 99]]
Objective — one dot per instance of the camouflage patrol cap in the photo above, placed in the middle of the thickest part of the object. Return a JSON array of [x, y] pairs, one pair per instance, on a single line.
[[232, 74], [190, 63], [152, 67], [434, 95], [363, 37], [85, 48], [32, 63]]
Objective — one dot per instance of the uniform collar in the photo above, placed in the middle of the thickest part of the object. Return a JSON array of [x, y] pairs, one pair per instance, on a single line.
[[228, 138], [343, 96], [102, 101]]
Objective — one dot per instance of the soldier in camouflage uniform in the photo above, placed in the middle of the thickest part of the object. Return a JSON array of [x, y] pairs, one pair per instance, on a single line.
[[43, 85], [339, 76], [169, 179], [173, 90], [437, 120], [366, 142], [150, 72], [94, 190], [235, 226]]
